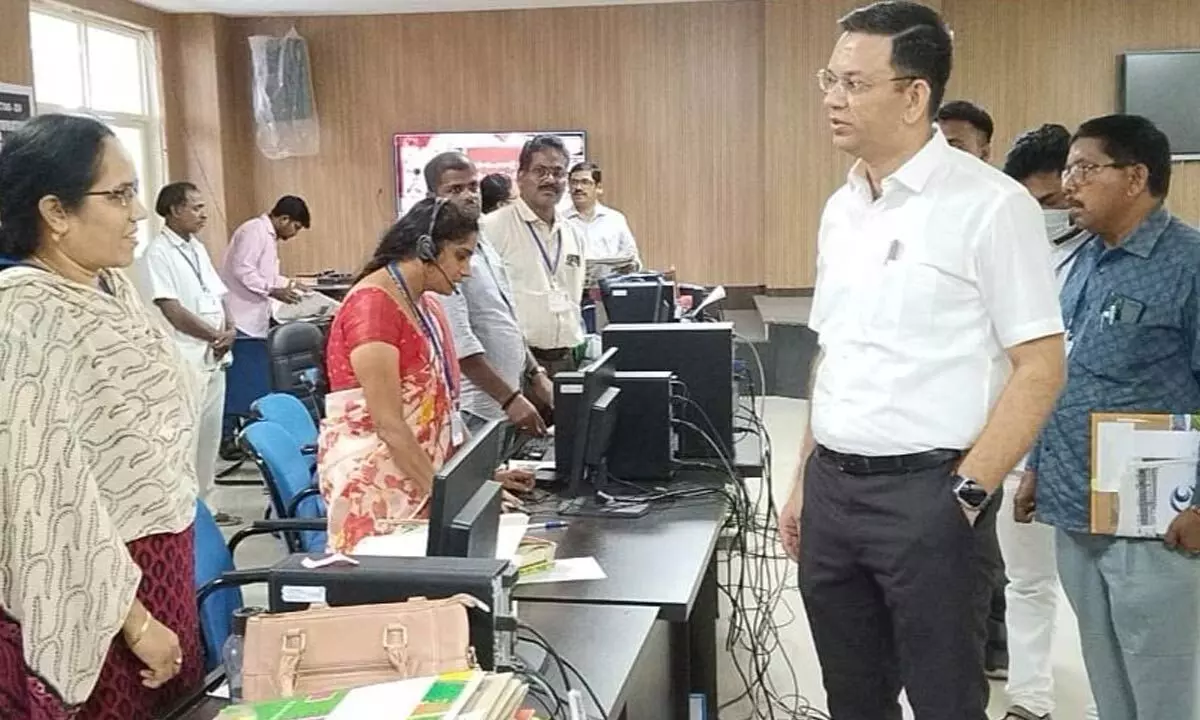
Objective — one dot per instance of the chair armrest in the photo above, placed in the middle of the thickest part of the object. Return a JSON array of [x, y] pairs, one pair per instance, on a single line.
[[269, 527], [233, 578], [294, 503]]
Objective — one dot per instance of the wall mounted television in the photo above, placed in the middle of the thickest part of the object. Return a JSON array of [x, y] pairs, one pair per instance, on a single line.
[[1164, 87]]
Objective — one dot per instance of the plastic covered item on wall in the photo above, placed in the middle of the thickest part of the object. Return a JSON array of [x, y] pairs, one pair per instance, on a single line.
[[285, 112]]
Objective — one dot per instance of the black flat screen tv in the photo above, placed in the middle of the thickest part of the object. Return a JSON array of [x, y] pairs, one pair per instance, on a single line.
[[1165, 87]]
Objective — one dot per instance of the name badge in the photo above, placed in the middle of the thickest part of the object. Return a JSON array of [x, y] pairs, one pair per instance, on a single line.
[[209, 305], [458, 428]]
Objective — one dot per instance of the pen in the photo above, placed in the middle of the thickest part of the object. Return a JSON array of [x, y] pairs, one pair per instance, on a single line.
[[549, 525]]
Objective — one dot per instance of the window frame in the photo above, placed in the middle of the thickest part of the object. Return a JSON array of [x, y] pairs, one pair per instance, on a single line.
[[150, 124]]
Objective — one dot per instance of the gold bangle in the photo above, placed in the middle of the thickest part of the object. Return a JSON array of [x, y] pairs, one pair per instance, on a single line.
[[141, 633]]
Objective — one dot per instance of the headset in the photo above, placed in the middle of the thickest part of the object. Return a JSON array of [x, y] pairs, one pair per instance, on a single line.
[[427, 248]]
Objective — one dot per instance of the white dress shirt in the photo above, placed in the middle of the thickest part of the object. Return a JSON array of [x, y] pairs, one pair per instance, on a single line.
[[179, 269], [481, 316], [919, 293], [608, 241], [545, 268]]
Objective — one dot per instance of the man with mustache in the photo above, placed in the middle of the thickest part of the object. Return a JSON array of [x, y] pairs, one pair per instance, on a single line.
[[609, 245], [185, 287], [491, 349], [1132, 310], [941, 353], [543, 254]]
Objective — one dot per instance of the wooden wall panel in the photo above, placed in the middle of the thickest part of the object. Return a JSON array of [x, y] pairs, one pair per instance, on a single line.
[[671, 97], [1035, 61], [16, 64]]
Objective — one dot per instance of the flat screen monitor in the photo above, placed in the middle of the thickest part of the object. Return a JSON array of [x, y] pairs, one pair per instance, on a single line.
[[1163, 87], [640, 300], [475, 528], [596, 379], [459, 480]]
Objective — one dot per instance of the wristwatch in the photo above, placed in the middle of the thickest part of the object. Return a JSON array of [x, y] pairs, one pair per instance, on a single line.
[[970, 493], [534, 371]]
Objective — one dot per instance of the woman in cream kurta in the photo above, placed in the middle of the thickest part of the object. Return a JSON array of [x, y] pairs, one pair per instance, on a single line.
[[97, 480]]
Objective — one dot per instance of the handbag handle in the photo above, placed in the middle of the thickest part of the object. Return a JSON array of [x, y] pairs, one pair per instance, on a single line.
[[295, 642]]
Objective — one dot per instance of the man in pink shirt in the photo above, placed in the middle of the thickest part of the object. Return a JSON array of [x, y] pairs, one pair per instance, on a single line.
[[251, 266]]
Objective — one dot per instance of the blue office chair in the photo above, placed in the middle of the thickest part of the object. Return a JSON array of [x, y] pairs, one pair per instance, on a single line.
[[288, 475], [218, 583], [289, 412], [246, 380]]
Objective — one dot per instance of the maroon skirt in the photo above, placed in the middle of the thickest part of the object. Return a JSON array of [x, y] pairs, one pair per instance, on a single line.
[[168, 592]]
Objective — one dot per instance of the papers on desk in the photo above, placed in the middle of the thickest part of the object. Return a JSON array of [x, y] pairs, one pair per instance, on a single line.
[[412, 538], [1143, 471], [573, 570], [312, 305]]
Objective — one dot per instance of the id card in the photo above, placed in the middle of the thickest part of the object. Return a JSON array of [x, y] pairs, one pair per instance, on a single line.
[[209, 305], [458, 428]]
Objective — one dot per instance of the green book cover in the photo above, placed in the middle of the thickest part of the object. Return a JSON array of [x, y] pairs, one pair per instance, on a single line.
[[317, 707]]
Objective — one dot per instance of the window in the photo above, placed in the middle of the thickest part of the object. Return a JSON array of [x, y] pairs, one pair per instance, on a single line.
[[84, 63]]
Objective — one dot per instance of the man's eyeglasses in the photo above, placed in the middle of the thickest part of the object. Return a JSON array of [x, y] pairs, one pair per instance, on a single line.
[[541, 172], [828, 81], [1084, 171], [124, 194]]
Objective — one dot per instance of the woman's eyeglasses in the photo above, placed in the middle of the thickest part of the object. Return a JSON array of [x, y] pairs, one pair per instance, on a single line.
[[124, 194]]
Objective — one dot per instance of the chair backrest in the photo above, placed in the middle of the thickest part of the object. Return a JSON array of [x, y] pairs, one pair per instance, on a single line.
[[287, 473], [213, 560], [297, 355], [289, 413]]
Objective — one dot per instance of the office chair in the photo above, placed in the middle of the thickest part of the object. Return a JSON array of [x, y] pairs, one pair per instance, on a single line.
[[246, 380], [290, 413], [218, 583], [288, 476], [296, 352]]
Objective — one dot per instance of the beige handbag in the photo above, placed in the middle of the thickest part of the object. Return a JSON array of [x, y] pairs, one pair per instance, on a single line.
[[322, 650]]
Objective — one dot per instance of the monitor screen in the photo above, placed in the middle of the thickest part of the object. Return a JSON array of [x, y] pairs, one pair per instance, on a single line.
[[1163, 87], [597, 378], [459, 480]]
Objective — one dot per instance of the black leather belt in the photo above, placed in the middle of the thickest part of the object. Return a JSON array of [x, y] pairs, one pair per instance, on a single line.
[[551, 355], [888, 464]]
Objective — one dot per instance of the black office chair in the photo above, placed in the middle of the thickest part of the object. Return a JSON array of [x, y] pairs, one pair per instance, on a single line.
[[296, 352]]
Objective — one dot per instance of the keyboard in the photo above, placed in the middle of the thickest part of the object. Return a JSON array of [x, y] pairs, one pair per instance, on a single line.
[[536, 449]]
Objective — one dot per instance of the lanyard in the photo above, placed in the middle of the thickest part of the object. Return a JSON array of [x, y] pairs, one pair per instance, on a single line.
[[551, 268], [194, 263], [428, 329]]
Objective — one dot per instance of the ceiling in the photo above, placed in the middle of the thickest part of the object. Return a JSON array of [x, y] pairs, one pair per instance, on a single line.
[[363, 7]]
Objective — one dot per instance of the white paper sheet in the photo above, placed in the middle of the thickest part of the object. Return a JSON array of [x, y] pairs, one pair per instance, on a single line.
[[412, 540], [572, 570]]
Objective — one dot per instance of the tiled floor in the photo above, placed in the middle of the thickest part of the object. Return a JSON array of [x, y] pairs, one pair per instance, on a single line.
[[785, 420]]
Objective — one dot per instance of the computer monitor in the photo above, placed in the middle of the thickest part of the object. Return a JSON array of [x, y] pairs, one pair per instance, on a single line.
[[596, 378], [638, 299], [459, 480], [474, 531]]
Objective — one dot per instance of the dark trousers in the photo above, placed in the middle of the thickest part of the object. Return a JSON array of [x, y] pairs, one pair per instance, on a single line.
[[896, 589]]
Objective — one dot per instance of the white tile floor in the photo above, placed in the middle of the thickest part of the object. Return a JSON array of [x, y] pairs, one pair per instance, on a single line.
[[785, 420]]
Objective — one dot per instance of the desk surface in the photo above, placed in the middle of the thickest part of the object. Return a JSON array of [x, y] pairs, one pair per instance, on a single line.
[[605, 643], [659, 559]]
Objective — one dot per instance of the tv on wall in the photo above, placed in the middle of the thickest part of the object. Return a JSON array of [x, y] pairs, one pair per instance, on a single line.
[[1165, 87]]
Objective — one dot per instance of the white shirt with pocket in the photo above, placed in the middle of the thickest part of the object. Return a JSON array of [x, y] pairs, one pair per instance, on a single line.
[[545, 268], [919, 294], [179, 269]]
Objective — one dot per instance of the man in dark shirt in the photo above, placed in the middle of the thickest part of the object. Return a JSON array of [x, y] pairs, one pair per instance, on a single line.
[[1132, 310]]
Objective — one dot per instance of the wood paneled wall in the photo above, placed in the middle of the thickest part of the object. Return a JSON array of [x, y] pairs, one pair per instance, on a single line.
[[670, 95], [1035, 61], [16, 64]]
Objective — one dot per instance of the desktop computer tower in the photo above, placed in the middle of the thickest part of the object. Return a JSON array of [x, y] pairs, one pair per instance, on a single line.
[[700, 355], [643, 443], [291, 587]]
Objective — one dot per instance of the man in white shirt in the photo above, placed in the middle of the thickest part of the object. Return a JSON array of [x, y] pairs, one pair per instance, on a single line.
[[491, 348], [543, 255], [609, 246], [185, 287], [941, 354]]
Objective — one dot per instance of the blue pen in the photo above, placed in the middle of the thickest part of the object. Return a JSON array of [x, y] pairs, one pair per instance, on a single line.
[[549, 525]]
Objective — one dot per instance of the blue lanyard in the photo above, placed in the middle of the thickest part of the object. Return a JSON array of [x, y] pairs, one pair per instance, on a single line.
[[193, 261], [428, 329], [551, 268]]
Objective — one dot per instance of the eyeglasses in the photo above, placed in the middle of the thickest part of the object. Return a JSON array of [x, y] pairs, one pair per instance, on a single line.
[[583, 182], [828, 81], [124, 194], [1084, 171], [542, 172]]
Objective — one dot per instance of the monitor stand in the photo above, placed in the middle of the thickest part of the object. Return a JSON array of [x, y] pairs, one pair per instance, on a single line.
[[599, 507]]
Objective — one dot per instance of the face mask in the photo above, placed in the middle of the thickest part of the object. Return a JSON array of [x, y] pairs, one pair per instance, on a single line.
[[1058, 223]]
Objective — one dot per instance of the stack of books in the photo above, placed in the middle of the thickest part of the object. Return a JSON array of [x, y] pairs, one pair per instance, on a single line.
[[471, 695]]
